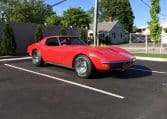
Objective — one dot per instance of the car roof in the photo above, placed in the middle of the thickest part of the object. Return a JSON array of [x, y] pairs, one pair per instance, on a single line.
[[58, 36]]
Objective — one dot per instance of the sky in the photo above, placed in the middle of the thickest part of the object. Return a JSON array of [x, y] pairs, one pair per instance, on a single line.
[[140, 10]]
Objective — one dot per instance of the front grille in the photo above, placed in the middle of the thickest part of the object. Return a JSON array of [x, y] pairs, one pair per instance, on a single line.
[[116, 65], [120, 65]]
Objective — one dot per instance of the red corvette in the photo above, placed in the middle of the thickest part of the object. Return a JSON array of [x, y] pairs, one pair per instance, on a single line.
[[72, 52]]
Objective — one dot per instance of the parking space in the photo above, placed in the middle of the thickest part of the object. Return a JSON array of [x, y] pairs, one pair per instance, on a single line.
[[54, 92]]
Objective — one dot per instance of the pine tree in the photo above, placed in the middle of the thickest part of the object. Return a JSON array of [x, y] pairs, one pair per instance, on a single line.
[[7, 44], [38, 34]]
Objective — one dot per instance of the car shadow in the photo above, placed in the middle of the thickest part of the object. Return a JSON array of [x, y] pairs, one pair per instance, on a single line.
[[136, 71]]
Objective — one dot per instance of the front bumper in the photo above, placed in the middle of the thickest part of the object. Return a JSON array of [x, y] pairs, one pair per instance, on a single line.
[[118, 65]]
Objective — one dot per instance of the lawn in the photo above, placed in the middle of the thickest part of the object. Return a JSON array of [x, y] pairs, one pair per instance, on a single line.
[[151, 55]]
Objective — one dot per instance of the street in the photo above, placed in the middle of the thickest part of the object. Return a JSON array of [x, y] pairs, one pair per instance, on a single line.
[[51, 92]]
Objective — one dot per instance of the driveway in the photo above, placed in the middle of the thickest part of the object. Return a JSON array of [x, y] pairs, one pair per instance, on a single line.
[[50, 92]]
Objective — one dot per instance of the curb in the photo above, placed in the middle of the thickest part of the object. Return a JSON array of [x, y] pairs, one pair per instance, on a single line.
[[152, 59]]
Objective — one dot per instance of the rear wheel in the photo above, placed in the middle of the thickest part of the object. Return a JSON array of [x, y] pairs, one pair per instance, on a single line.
[[83, 66], [37, 59]]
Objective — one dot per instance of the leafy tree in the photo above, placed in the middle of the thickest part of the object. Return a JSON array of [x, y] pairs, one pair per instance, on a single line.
[[7, 44], [34, 11], [38, 34], [53, 20], [154, 25], [117, 10], [75, 17], [135, 29], [90, 12]]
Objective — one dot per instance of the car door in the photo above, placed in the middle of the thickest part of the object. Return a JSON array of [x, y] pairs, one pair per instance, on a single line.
[[67, 51], [52, 51]]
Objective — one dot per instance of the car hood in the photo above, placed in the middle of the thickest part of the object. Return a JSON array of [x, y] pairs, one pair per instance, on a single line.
[[111, 53]]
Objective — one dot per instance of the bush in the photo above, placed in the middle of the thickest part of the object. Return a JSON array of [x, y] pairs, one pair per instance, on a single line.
[[63, 31], [7, 44], [83, 34], [38, 33]]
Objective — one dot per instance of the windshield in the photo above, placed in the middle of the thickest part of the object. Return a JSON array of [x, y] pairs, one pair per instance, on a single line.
[[71, 41]]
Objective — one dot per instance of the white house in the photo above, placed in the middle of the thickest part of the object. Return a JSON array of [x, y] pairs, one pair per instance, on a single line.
[[111, 31], [145, 30]]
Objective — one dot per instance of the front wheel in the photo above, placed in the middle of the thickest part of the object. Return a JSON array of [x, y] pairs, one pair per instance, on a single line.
[[37, 59], [83, 66]]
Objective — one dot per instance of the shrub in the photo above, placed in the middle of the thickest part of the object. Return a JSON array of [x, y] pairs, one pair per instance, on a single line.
[[63, 31], [38, 33], [7, 44], [83, 34]]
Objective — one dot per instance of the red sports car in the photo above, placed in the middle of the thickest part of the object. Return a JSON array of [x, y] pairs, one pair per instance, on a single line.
[[72, 52]]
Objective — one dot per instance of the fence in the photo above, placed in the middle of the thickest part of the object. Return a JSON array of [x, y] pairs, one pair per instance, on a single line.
[[25, 32], [144, 43]]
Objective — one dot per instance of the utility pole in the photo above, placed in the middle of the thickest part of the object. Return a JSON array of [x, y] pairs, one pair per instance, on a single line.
[[146, 41], [95, 23]]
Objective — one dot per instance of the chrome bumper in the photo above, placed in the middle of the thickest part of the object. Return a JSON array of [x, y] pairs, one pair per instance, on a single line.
[[119, 65]]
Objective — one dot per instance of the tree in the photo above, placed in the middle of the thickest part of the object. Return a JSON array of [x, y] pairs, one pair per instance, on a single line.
[[7, 44], [90, 12], [38, 34], [75, 17], [135, 29], [117, 10], [35, 11], [154, 25], [53, 20]]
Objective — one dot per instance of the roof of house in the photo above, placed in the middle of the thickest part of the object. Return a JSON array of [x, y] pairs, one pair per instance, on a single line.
[[105, 26]]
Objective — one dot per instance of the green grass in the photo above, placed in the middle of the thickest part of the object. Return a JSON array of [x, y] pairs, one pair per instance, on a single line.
[[151, 55]]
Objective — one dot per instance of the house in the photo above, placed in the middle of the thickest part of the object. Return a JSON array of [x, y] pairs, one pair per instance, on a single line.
[[140, 35], [145, 30], [111, 31]]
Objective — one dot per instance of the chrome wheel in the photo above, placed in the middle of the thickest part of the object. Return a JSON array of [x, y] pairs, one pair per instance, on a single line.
[[83, 66], [36, 58]]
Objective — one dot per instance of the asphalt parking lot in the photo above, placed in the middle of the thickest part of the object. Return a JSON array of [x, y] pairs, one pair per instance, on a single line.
[[50, 92]]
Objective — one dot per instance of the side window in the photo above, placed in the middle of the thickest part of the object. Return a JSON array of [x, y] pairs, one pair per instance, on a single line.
[[52, 42], [64, 41]]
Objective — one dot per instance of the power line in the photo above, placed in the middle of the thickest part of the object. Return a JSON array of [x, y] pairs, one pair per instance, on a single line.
[[58, 3], [145, 3], [150, 7]]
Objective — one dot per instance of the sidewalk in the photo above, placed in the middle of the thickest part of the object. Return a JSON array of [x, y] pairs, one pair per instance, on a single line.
[[152, 59], [141, 48]]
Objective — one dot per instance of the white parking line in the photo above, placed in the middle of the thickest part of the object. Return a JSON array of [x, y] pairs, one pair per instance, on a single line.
[[159, 72], [14, 59], [69, 82]]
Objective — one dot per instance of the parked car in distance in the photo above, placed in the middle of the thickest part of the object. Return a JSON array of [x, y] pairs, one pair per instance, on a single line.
[[140, 38], [70, 51]]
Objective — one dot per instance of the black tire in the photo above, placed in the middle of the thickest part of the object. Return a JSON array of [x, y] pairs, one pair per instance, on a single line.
[[83, 66], [37, 59]]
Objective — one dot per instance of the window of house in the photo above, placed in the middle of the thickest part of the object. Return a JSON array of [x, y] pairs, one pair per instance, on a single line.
[[101, 36], [52, 42], [121, 35], [165, 30], [114, 35]]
